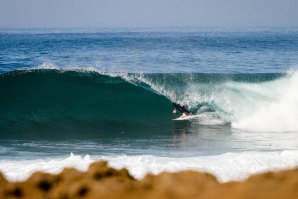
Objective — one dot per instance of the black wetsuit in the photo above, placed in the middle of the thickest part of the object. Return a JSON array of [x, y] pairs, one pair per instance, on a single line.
[[182, 109]]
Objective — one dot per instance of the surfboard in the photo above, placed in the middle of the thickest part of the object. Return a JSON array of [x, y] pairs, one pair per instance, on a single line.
[[189, 117]]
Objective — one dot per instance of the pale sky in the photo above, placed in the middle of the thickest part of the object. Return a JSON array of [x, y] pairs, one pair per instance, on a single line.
[[148, 13]]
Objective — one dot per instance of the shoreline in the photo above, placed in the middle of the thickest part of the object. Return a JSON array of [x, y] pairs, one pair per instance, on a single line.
[[102, 181]]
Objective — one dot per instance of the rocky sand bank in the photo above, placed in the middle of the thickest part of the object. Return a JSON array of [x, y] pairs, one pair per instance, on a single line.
[[101, 181]]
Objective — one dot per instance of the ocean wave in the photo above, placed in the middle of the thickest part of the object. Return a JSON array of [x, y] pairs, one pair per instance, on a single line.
[[49, 98]]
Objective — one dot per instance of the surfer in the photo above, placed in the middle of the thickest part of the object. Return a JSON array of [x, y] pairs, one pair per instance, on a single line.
[[182, 109]]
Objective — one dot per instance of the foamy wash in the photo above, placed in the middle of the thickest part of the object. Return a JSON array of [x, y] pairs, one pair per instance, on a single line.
[[108, 94]]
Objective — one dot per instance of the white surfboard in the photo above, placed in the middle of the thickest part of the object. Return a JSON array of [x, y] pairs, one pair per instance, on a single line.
[[189, 117]]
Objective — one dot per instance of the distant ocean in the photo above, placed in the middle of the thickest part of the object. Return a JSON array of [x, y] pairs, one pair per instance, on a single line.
[[69, 97]]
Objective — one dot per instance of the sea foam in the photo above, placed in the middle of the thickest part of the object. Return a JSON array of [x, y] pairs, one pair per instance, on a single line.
[[226, 167], [279, 113]]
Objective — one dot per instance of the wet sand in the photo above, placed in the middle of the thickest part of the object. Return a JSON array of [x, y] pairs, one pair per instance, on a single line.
[[101, 181]]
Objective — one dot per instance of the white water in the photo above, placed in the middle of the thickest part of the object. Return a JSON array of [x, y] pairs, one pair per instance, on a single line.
[[258, 107], [226, 167], [277, 114]]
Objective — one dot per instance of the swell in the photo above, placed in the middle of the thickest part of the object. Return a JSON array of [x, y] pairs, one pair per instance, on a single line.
[[54, 102]]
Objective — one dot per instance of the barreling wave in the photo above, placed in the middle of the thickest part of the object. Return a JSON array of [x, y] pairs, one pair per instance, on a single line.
[[62, 102]]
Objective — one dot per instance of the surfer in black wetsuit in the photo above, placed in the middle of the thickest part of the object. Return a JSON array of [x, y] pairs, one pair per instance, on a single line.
[[182, 109]]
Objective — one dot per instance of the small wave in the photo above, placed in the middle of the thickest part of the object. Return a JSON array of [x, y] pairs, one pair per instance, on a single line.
[[240, 165]]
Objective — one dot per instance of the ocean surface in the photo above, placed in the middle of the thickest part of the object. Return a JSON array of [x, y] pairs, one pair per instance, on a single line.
[[69, 97]]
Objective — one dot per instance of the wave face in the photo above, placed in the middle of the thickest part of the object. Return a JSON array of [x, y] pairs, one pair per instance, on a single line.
[[57, 102], [53, 101]]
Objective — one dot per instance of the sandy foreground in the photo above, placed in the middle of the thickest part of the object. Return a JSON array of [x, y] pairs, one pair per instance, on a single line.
[[101, 181]]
